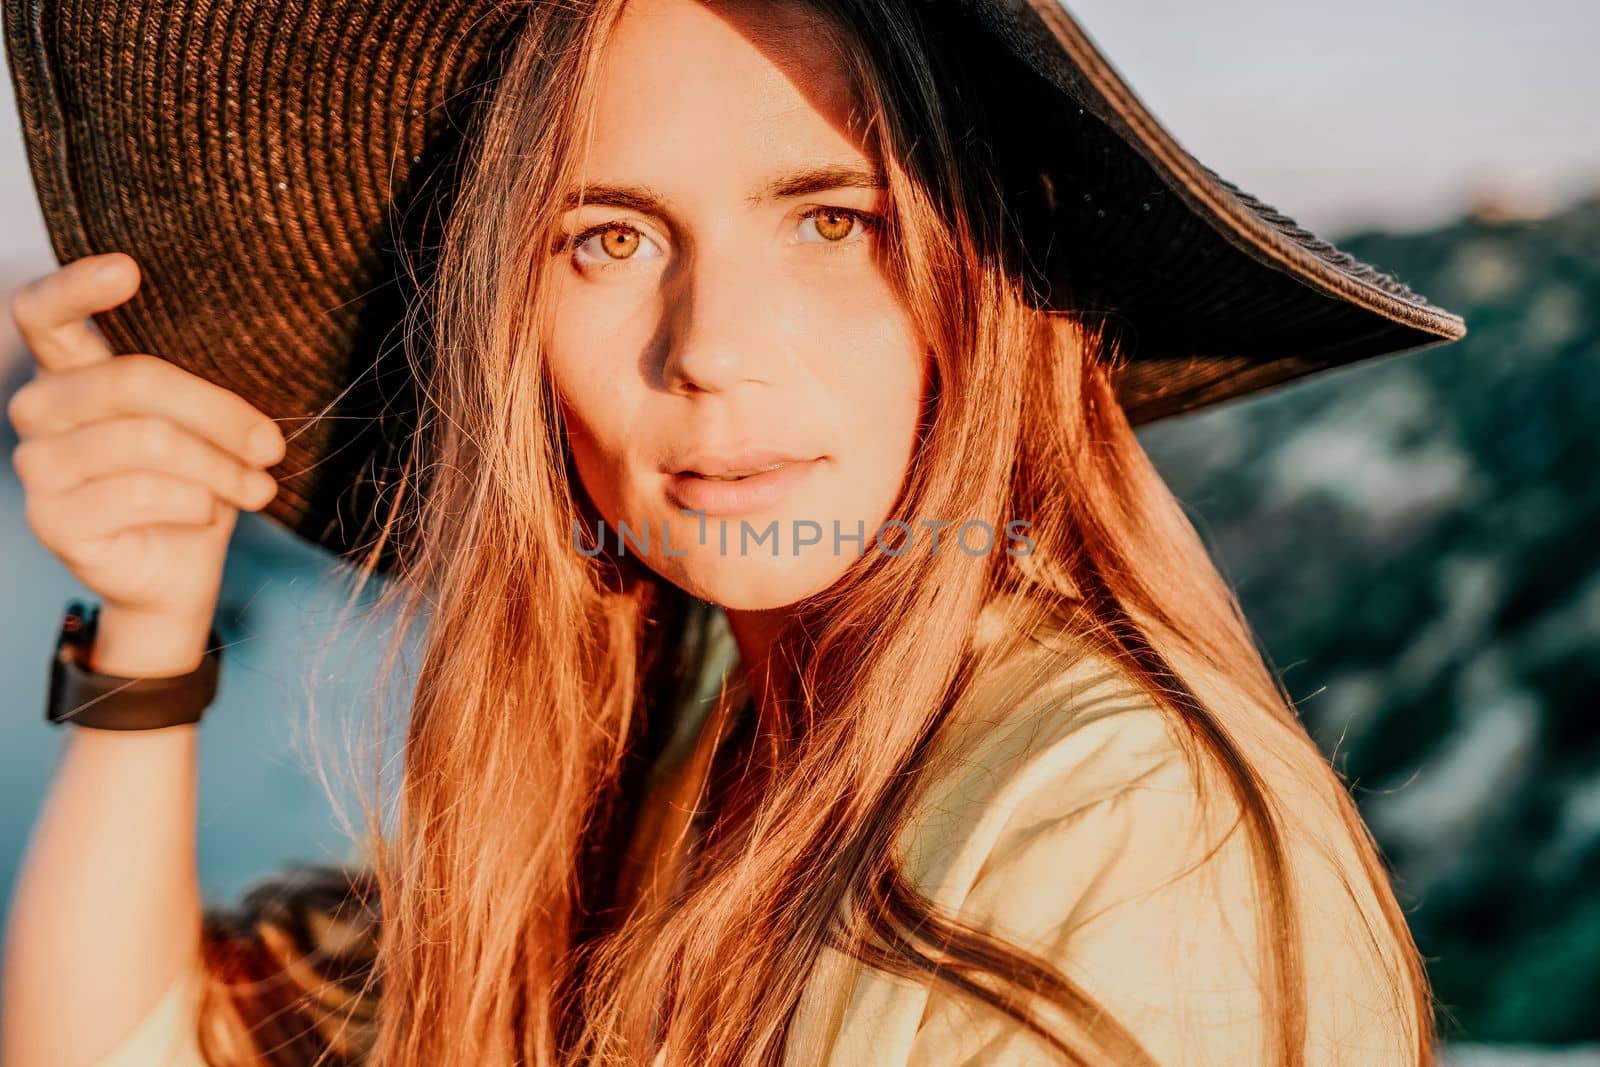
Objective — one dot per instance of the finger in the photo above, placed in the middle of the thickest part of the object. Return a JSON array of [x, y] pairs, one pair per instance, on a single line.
[[56, 464], [141, 384], [51, 312], [103, 507]]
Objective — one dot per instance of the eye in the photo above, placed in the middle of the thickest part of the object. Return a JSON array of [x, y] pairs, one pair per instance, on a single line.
[[838, 225], [609, 243]]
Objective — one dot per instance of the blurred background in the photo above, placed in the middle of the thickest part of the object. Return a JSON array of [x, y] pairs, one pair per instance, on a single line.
[[1416, 540]]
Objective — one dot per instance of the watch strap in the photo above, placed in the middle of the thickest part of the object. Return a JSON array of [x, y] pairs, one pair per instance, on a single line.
[[86, 697]]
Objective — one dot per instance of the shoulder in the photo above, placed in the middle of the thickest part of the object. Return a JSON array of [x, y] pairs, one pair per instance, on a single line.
[[1066, 816], [1095, 854], [1054, 734], [1056, 813]]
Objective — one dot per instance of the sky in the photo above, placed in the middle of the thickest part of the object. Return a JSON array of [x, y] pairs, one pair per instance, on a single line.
[[1396, 113]]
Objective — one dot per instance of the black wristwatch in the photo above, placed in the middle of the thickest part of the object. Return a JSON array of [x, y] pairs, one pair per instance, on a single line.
[[86, 697]]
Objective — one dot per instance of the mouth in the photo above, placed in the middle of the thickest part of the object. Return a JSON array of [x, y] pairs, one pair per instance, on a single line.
[[734, 475], [730, 489], [733, 466]]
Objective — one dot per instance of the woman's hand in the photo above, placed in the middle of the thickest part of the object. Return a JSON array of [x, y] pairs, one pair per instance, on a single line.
[[134, 470]]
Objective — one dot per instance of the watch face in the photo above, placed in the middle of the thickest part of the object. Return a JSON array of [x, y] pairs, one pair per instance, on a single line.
[[77, 629]]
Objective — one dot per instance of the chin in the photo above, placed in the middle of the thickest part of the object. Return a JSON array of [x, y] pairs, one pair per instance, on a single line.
[[754, 582]]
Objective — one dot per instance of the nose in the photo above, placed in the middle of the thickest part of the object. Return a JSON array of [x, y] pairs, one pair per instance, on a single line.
[[721, 331]]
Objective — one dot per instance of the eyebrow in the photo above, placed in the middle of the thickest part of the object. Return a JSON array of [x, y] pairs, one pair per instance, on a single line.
[[786, 186]]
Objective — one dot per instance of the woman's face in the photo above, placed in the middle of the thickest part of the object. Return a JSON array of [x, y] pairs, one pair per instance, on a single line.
[[722, 305]]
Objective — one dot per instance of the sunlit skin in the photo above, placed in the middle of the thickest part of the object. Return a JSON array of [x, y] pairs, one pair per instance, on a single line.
[[700, 312]]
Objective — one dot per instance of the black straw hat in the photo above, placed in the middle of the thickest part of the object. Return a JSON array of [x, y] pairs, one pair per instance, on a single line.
[[270, 164]]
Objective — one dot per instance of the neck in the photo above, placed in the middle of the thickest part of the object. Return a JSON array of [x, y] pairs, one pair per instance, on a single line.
[[756, 634]]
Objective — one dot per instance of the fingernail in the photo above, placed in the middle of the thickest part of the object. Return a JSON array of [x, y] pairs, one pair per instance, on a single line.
[[265, 444], [108, 272]]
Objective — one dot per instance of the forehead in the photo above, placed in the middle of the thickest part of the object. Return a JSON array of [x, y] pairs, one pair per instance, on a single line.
[[692, 83]]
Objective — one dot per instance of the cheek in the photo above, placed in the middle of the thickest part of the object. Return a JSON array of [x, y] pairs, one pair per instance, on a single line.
[[581, 352], [586, 364], [892, 423], [879, 374]]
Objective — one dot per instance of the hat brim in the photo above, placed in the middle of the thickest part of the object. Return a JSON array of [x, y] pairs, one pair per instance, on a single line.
[[1216, 293], [273, 188]]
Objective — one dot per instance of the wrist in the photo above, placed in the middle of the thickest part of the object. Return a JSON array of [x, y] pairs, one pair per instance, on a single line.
[[142, 643]]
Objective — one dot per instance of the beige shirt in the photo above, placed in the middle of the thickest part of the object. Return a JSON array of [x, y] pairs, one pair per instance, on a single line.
[[1064, 819]]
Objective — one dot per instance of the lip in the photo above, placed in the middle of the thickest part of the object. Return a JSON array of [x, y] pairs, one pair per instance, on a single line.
[[751, 493], [748, 461]]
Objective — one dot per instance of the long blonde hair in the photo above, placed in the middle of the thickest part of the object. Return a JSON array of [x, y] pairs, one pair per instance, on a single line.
[[543, 673]]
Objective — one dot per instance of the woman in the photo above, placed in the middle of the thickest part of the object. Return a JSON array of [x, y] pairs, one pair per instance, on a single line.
[[691, 776]]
